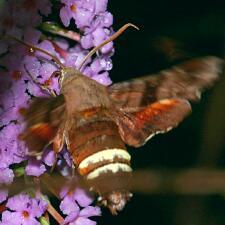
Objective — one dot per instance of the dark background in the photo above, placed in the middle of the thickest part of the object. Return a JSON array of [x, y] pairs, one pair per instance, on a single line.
[[170, 32]]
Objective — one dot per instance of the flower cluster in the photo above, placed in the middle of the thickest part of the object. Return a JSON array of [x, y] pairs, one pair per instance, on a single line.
[[22, 209], [71, 206], [17, 88], [22, 73], [95, 22]]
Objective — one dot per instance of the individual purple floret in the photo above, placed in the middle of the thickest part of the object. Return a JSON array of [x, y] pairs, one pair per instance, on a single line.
[[22, 209], [6, 176], [3, 195], [35, 168], [71, 206], [82, 217]]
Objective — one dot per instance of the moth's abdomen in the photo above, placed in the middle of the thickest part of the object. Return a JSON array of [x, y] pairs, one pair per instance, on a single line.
[[108, 159], [100, 156]]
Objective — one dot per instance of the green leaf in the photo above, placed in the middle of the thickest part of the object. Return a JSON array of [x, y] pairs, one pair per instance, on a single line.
[[51, 27], [43, 221], [56, 29], [19, 171]]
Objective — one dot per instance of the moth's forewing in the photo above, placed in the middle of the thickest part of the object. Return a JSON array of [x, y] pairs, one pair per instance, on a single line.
[[43, 119], [186, 80]]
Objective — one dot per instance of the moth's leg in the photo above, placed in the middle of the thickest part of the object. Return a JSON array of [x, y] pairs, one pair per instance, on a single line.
[[43, 87], [58, 143]]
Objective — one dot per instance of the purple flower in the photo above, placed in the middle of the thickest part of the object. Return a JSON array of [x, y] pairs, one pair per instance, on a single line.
[[35, 167], [49, 157], [11, 150], [92, 18], [82, 217], [3, 195], [23, 209], [6, 176], [71, 203], [81, 11], [64, 163], [20, 83], [38, 167]]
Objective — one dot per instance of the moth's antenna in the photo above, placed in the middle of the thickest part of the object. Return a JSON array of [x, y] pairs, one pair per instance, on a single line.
[[32, 48], [113, 37]]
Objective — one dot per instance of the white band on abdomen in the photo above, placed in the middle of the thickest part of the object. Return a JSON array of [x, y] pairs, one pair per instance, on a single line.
[[112, 167], [108, 155]]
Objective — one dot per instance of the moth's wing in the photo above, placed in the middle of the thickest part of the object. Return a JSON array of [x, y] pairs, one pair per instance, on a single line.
[[43, 124], [138, 127], [186, 80], [156, 103]]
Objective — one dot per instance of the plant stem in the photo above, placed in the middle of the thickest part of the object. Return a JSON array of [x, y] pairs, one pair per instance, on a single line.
[[52, 211]]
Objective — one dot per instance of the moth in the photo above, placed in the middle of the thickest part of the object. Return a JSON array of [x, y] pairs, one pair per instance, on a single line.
[[97, 122]]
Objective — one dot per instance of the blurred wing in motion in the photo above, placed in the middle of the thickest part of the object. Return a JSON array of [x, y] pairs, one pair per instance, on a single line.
[[186, 80], [155, 104], [44, 121]]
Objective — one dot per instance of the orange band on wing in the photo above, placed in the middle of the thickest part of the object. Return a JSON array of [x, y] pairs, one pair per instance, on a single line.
[[90, 112], [154, 110], [42, 131]]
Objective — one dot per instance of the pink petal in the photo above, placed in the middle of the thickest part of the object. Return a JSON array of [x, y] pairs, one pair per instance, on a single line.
[[18, 202], [68, 205], [65, 15], [99, 36], [3, 195], [87, 41], [84, 221], [35, 168], [90, 211], [100, 6], [103, 79], [82, 197], [83, 18]]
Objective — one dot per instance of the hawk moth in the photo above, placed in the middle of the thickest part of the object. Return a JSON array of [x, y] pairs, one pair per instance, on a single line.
[[96, 122]]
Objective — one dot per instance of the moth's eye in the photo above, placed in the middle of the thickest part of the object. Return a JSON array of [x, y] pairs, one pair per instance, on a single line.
[[56, 73]]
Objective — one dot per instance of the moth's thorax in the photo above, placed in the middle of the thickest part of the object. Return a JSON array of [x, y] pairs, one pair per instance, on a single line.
[[82, 92]]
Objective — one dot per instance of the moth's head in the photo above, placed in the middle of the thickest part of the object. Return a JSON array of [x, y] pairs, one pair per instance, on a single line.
[[115, 200], [66, 74]]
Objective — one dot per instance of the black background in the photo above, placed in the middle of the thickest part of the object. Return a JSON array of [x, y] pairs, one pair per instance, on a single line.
[[199, 29]]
